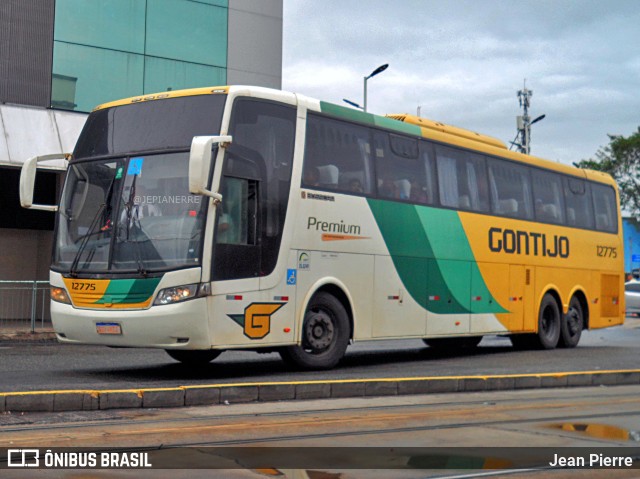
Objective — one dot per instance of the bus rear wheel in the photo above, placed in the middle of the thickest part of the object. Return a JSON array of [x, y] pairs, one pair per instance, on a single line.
[[572, 325], [549, 323], [193, 358], [325, 335]]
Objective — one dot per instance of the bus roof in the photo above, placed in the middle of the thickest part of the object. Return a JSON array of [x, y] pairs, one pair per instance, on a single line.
[[448, 129], [165, 94], [426, 128]]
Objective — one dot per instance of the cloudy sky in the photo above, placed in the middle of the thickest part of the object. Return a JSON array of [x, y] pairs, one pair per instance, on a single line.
[[463, 61]]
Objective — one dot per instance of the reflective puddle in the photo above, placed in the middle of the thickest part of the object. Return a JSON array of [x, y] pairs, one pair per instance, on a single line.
[[600, 431]]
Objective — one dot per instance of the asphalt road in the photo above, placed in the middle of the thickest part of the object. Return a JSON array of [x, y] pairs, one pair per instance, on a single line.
[[52, 366]]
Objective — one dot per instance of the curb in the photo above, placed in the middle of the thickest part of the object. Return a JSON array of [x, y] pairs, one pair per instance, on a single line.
[[28, 337], [200, 395]]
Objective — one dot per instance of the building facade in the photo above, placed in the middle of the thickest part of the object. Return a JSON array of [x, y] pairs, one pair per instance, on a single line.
[[61, 58]]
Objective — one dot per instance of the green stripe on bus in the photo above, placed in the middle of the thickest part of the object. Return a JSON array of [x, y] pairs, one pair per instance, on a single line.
[[400, 126], [369, 119], [129, 291], [419, 240]]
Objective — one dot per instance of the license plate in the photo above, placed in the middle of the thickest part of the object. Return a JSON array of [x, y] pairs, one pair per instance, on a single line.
[[108, 328]]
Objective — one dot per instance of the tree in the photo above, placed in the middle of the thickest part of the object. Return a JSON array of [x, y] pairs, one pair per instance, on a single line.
[[621, 159]]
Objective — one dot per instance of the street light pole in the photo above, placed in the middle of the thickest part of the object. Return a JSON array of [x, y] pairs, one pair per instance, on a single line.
[[380, 69]]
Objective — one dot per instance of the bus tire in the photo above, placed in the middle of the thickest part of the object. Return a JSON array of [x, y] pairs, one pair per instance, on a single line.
[[325, 335], [465, 342], [194, 357], [549, 323], [572, 325]]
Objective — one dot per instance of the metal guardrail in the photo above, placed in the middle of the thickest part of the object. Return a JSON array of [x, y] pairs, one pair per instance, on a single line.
[[24, 305]]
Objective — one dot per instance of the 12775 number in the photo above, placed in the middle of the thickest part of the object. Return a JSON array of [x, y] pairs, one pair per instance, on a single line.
[[607, 251]]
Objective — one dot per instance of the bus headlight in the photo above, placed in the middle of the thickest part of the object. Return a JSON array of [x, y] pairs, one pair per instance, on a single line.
[[177, 294], [60, 295]]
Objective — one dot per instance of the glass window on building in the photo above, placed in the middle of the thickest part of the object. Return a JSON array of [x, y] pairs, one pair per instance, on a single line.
[[106, 50], [187, 31], [166, 75], [114, 24], [84, 77]]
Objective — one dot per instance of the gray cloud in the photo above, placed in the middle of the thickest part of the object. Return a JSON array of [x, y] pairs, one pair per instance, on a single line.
[[463, 61]]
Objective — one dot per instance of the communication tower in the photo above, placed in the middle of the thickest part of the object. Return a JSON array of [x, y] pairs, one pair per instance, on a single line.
[[524, 122]]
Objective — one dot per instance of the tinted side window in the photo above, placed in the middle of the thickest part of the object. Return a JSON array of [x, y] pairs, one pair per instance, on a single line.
[[548, 197], [401, 169], [337, 156], [510, 189], [604, 204], [255, 186], [578, 200], [462, 179]]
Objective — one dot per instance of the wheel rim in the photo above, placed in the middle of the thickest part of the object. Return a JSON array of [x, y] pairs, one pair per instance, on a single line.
[[320, 331], [574, 322]]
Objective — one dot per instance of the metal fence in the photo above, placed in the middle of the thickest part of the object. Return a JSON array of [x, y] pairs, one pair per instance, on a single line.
[[24, 305]]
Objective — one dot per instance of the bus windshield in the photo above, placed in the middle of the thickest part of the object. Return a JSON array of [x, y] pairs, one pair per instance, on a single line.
[[131, 214], [126, 205]]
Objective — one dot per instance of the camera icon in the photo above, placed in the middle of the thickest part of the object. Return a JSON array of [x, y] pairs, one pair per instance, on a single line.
[[23, 458]]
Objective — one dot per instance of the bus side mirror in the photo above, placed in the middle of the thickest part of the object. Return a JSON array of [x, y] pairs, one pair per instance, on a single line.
[[28, 180], [200, 160]]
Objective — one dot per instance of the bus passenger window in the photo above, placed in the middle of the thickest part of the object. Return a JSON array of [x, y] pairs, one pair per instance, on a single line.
[[549, 200], [604, 202], [337, 156], [400, 168], [510, 189], [578, 199], [462, 179]]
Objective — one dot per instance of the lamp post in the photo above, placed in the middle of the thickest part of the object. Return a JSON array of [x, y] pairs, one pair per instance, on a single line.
[[380, 69], [352, 103]]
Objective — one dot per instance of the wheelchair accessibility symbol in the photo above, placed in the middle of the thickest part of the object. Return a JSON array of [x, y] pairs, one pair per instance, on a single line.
[[291, 277]]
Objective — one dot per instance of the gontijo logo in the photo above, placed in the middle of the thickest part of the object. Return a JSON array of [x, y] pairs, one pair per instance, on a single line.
[[528, 243], [256, 319]]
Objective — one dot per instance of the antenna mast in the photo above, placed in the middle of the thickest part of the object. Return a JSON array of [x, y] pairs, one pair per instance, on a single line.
[[523, 122]]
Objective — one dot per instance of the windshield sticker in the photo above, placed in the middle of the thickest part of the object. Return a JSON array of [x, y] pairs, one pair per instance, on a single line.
[[135, 166]]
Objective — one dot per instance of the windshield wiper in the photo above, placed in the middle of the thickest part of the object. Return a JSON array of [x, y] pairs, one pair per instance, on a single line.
[[73, 271], [130, 219]]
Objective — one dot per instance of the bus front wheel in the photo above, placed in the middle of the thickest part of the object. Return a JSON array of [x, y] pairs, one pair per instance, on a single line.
[[325, 335], [193, 357]]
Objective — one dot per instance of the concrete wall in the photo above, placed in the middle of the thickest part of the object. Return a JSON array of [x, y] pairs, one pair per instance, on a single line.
[[255, 43], [25, 254]]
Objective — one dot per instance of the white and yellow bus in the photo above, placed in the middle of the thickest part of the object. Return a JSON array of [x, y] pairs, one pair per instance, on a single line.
[[235, 217]]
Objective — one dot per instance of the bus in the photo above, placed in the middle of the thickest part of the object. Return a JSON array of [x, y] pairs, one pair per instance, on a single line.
[[235, 217]]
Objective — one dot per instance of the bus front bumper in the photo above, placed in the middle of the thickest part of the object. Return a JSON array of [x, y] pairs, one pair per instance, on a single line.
[[175, 326]]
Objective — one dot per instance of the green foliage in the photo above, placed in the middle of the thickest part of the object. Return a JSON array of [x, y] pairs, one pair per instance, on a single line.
[[621, 159]]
